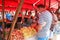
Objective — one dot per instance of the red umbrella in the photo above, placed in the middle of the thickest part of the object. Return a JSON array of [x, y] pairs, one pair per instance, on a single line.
[[12, 4]]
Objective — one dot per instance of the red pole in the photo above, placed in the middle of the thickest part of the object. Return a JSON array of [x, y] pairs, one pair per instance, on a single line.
[[49, 3], [45, 2]]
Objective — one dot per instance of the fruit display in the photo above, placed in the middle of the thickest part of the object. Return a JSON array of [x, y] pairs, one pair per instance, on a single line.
[[17, 35], [23, 33], [28, 32]]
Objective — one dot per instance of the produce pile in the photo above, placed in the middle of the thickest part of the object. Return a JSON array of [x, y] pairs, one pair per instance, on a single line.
[[25, 32], [28, 32], [17, 35]]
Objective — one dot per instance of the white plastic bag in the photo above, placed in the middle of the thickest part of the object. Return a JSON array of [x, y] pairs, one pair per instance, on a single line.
[[31, 38]]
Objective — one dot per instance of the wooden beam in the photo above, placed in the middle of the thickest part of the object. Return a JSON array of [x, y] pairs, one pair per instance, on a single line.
[[15, 18], [3, 26]]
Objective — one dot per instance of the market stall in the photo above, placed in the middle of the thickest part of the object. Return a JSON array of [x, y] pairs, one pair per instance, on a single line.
[[20, 18]]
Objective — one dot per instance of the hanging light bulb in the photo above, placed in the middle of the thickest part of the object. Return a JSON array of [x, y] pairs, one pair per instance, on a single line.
[[23, 12], [14, 12], [0, 16], [59, 11], [33, 13]]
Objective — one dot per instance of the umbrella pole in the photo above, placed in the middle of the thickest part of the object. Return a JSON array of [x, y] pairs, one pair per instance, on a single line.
[[49, 3], [45, 2], [15, 18], [3, 26], [58, 4]]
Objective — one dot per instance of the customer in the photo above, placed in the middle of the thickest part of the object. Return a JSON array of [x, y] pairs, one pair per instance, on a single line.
[[54, 23], [45, 20]]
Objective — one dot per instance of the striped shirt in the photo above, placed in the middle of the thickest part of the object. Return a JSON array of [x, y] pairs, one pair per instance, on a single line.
[[45, 16]]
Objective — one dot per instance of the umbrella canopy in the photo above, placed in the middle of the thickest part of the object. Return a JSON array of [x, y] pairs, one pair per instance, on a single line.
[[12, 4]]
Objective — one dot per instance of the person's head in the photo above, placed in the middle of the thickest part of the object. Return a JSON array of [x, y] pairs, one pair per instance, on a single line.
[[41, 7]]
